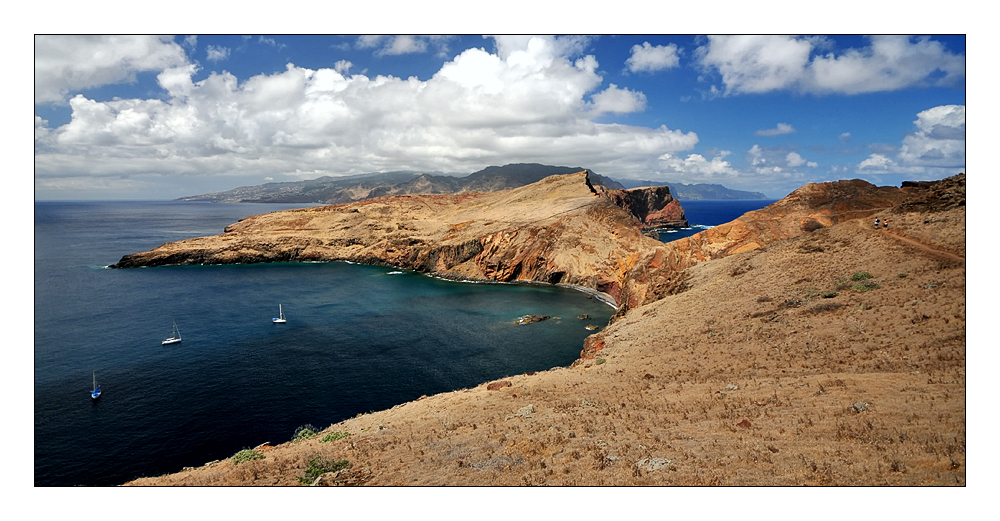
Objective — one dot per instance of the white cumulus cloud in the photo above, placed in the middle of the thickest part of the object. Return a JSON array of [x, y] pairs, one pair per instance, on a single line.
[[619, 101], [939, 140], [342, 66], [695, 166], [782, 128], [652, 58], [794, 159], [758, 64], [755, 64], [215, 53], [67, 63], [403, 44], [876, 162], [535, 100], [937, 147], [776, 159]]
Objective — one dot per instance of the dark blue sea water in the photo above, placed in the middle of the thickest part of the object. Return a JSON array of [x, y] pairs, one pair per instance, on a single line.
[[358, 339], [704, 214]]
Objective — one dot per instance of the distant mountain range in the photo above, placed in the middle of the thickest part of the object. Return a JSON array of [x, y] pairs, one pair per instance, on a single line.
[[336, 190]]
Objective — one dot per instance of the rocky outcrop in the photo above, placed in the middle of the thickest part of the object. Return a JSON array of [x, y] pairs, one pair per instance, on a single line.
[[933, 196], [670, 216], [653, 207]]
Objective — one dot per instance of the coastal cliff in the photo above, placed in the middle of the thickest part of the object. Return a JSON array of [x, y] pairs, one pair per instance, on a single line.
[[560, 230], [796, 345]]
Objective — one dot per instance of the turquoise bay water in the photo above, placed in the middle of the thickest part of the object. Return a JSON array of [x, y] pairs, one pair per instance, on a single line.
[[358, 339]]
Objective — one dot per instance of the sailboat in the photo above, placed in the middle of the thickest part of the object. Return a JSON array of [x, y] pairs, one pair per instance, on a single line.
[[281, 316], [96, 393], [175, 337]]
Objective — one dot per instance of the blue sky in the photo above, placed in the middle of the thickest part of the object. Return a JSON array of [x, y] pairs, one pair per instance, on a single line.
[[143, 117]]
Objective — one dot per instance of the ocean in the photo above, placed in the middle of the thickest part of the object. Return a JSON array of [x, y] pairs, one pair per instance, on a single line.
[[704, 214], [358, 339]]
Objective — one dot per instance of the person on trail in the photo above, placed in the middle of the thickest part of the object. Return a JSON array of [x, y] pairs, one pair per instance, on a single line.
[[876, 223], [885, 224]]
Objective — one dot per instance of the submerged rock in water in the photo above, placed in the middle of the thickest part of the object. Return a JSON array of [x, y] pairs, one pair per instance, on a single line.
[[591, 327], [584, 317], [527, 319]]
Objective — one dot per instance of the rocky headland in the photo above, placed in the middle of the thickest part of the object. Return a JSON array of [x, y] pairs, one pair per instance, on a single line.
[[794, 345], [560, 230]]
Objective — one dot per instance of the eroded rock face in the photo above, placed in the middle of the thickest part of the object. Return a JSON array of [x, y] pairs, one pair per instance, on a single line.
[[670, 216], [934, 196], [653, 207]]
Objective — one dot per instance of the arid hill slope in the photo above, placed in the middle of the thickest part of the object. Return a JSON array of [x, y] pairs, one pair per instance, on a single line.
[[800, 354]]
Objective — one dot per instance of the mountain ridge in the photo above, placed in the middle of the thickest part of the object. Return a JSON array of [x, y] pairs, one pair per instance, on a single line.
[[336, 190]]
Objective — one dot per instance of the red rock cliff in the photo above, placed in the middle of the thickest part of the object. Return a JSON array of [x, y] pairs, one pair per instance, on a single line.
[[653, 207]]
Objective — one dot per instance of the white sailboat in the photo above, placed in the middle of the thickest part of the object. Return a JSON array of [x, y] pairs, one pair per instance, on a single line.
[[281, 316], [96, 393], [175, 337]]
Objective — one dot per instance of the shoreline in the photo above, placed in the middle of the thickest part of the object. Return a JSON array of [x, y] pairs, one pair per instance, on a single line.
[[599, 295]]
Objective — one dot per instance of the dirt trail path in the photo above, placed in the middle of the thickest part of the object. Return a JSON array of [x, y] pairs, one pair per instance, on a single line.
[[924, 248]]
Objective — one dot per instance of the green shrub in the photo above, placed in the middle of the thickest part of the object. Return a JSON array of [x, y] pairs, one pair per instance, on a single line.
[[860, 275], [600, 361], [319, 466], [246, 455], [829, 294], [901, 275], [334, 436], [304, 432], [867, 285]]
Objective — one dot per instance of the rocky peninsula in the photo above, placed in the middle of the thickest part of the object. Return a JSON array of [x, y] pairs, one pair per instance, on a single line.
[[795, 345], [560, 230]]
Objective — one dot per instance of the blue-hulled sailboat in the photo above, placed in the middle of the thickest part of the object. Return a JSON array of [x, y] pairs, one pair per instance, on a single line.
[[96, 393]]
